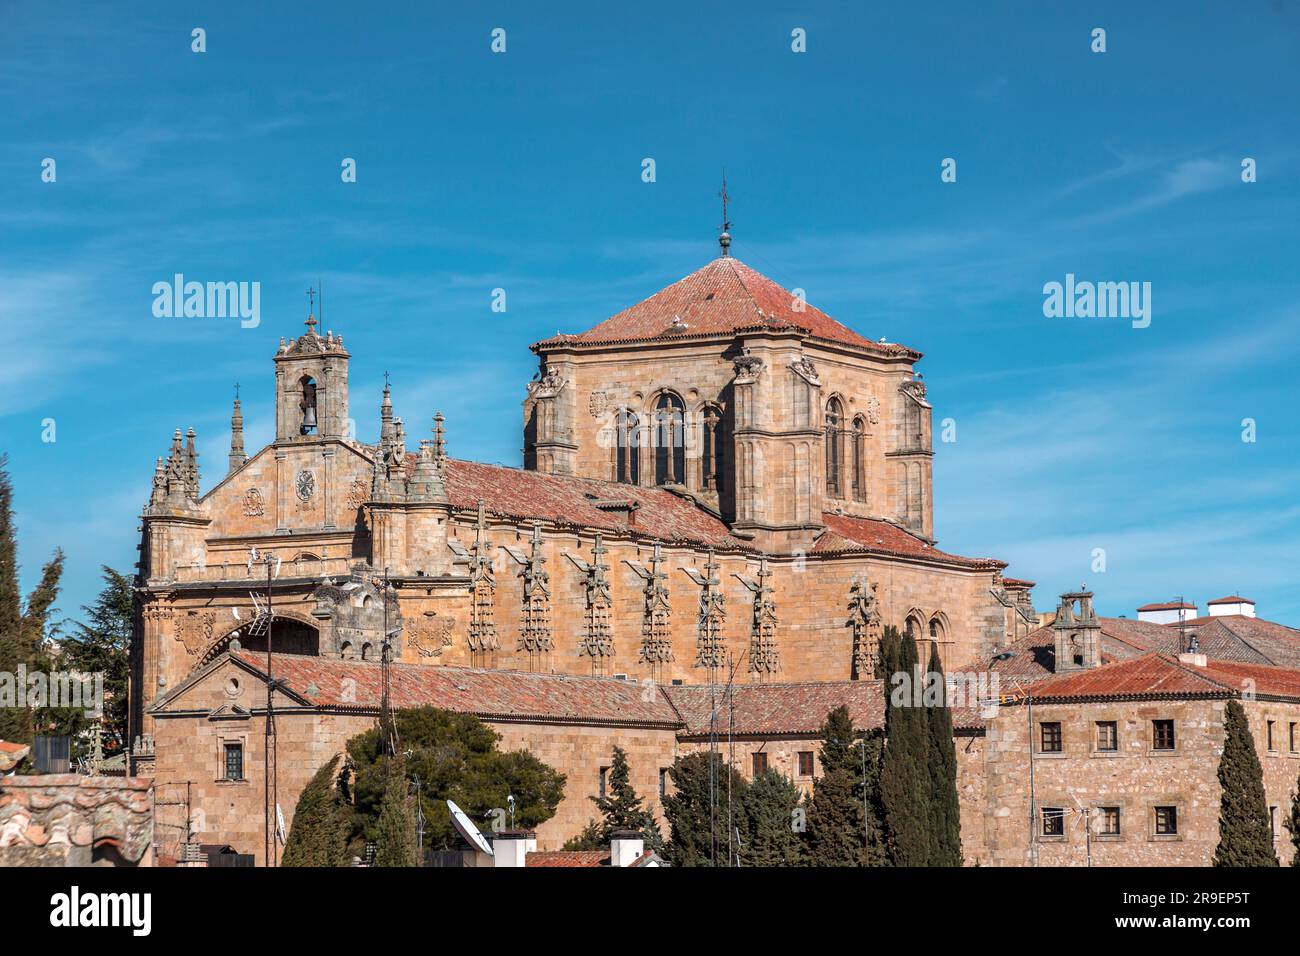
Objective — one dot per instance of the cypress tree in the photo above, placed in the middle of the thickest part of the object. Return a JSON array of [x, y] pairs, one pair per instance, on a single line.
[[318, 835], [10, 605], [395, 845], [887, 656], [838, 832], [1245, 836], [905, 788], [945, 811], [622, 809], [696, 810], [771, 839], [1293, 824]]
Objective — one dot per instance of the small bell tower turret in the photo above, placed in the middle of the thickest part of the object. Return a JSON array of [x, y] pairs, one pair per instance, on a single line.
[[311, 385], [1078, 632]]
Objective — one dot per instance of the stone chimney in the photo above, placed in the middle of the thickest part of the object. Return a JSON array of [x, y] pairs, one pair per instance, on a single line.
[[511, 847], [625, 847]]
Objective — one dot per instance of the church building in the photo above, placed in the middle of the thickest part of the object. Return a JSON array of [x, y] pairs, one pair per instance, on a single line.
[[720, 482], [721, 486]]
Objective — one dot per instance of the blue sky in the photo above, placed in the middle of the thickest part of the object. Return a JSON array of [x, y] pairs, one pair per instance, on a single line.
[[522, 171]]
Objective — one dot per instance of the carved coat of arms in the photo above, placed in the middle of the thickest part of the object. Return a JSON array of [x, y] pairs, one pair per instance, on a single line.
[[194, 631], [428, 633], [306, 484], [359, 493], [254, 503]]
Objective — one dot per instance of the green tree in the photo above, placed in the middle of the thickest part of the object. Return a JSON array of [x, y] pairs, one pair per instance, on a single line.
[[1293, 824], [696, 810], [23, 628], [395, 828], [905, 787], [945, 811], [771, 838], [102, 647], [844, 827], [456, 758], [318, 835], [587, 839], [621, 809], [11, 611], [1245, 834]]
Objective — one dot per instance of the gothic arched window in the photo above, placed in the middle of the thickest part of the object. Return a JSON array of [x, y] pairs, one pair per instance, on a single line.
[[937, 638], [670, 448], [835, 448], [912, 627], [627, 450], [308, 405], [858, 454]]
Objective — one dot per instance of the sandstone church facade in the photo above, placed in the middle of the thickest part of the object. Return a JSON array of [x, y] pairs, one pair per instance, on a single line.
[[726, 496], [720, 484], [720, 480]]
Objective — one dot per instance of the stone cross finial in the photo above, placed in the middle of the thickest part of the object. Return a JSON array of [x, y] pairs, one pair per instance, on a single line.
[[311, 304]]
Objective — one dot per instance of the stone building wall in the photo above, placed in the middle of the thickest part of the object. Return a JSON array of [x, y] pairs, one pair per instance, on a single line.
[[597, 384], [1135, 778], [190, 739]]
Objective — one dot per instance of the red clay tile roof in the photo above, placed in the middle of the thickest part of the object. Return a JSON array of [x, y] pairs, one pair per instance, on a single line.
[[1034, 655], [793, 708], [567, 858], [1151, 675], [1167, 606], [1265, 642], [571, 501], [1161, 676], [44, 815], [796, 708], [11, 753], [873, 535], [725, 297], [1260, 680], [1233, 637], [491, 694], [1232, 599], [1016, 583]]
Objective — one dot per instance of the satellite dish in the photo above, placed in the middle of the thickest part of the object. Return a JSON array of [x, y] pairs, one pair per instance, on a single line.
[[465, 827]]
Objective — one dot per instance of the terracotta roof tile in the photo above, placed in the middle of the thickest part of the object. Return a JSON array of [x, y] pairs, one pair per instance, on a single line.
[[1230, 638], [1270, 642], [1033, 656], [845, 533], [725, 297], [492, 694], [1168, 606], [796, 708], [1150, 675], [1260, 680], [793, 708], [1163, 676], [567, 858], [1232, 599], [566, 500], [50, 813]]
